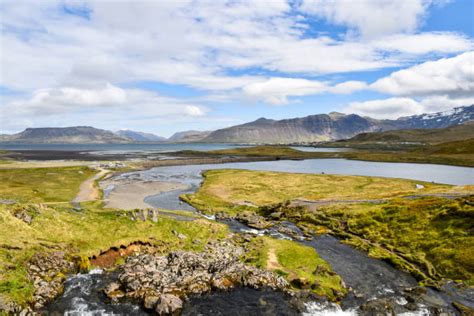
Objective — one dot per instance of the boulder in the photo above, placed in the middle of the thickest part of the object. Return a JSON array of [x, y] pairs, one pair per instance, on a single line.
[[154, 215], [48, 272], [150, 301], [24, 216], [169, 304], [253, 220]]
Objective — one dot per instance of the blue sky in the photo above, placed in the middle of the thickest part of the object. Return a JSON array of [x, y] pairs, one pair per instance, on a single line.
[[168, 66]]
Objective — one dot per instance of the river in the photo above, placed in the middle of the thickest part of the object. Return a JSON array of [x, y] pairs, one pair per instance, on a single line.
[[369, 278]]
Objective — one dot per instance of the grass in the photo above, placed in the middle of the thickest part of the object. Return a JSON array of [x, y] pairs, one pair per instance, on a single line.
[[435, 154], [82, 234], [430, 237], [42, 184], [224, 190], [300, 265], [420, 136]]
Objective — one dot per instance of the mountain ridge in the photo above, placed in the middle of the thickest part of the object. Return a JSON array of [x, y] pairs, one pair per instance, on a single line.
[[330, 127], [309, 129]]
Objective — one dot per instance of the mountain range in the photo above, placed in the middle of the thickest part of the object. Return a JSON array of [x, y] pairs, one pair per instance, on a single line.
[[313, 128], [332, 126]]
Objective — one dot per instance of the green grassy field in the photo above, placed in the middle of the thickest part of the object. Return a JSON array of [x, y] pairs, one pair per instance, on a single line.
[[80, 233], [299, 264], [42, 184], [226, 190], [431, 237]]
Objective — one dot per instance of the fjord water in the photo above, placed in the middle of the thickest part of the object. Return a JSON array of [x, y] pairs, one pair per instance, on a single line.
[[146, 147], [121, 148]]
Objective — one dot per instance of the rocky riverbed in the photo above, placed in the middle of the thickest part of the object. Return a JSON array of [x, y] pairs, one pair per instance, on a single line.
[[165, 283]]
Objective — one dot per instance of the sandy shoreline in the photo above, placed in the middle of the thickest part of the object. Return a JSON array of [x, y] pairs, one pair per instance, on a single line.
[[128, 196]]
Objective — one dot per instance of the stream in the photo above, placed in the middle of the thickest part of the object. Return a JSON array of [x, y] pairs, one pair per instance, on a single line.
[[368, 278]]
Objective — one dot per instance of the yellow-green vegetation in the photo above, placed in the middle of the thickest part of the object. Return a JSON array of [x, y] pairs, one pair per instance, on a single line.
[[378, 152], [431, 237], [299, 264], [427, 154], [258, 151], [81, 233], [227, 190], [42, 184], [84, 233]]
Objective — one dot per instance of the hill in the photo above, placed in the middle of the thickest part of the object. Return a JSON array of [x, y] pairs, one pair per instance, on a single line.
[[65, 135], [140, 136], [428, 136], [188, 136]]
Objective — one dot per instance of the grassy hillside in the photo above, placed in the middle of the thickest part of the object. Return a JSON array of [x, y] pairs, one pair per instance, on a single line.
[[417, 136], [78, 233], [429, 237]]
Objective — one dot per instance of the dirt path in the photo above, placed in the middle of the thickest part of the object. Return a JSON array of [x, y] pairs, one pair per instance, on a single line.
[[88, 191], [272, 261]]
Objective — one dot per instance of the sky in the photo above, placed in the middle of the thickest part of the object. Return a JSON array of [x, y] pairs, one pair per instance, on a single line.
[[166, 66]]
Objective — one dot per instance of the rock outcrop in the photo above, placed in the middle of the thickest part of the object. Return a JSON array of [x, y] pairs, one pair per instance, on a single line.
[[48, 272], [163, 282]]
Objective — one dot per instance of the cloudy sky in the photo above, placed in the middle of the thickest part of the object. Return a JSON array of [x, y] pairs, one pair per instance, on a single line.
[[164, 66]]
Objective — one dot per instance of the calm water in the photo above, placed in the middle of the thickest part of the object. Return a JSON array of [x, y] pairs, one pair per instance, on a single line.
[[190, 175], [120, 148], [155, 148]]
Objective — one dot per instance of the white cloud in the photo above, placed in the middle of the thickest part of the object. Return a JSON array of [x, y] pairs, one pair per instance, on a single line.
[[370, 18], [393, 108], [441, 103], [64, 61], [193, 110], [385, 109], [424, 43], [86, 104], [276, 90], [453, 76], [186, 42], [348, 87]]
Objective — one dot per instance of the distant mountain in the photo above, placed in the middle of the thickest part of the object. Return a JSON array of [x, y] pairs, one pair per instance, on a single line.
[[429, 135], [189, 136], [311, 128], [140, 136], [65, 135], [452, 117], [332, 126]]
